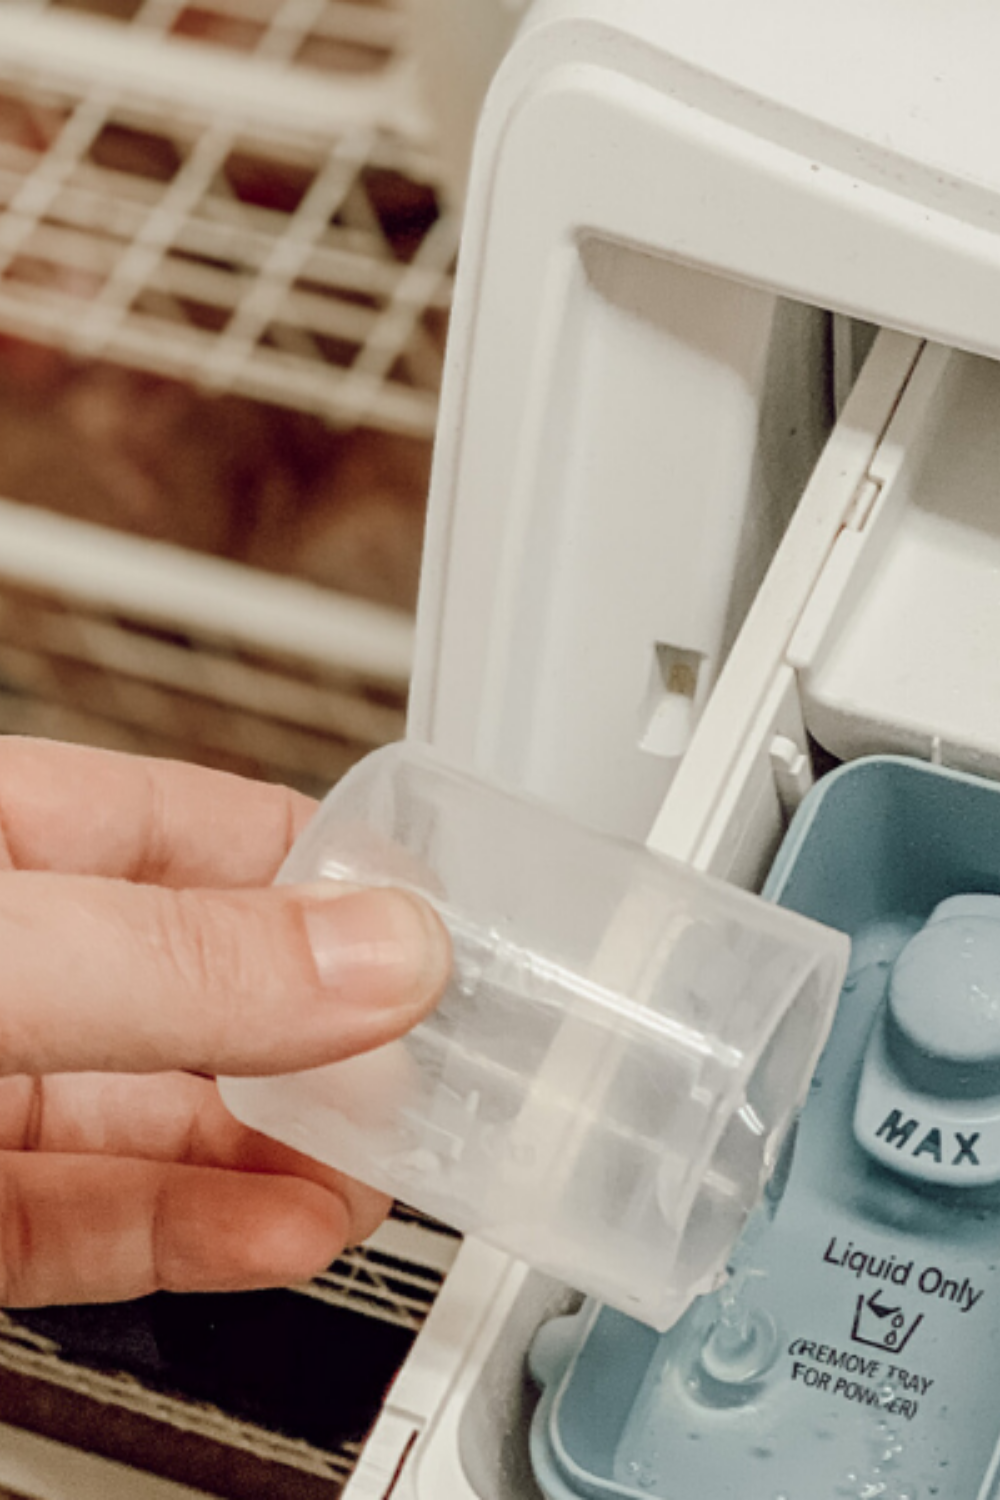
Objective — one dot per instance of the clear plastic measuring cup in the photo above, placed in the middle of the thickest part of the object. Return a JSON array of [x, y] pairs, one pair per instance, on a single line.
[[607, 1082]]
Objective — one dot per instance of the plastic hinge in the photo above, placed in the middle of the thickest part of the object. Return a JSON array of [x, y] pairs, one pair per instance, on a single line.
[[792, 771], [862, 504]]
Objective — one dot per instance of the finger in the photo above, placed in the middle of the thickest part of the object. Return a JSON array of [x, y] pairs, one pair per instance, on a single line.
[[105, 976], [167, 1117], [96, 1229], [75, 809]]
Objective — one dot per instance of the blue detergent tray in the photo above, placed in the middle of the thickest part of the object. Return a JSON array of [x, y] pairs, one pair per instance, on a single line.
[[855, 1350]]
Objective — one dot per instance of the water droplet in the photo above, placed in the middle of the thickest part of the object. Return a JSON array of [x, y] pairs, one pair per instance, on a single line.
[[850, 984], [643, 1472], [762, 1452], [741, 1346]]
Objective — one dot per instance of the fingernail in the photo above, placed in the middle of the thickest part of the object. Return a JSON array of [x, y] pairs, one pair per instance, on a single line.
[[379, 948]]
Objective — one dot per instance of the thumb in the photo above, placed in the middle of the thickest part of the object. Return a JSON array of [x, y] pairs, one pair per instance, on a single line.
[[106, 975]]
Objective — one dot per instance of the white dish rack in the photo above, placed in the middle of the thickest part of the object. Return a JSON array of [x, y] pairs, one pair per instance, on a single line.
[[122, 239]]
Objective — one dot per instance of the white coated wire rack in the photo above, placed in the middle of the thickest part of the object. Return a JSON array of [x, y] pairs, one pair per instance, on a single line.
[[238, 195], [394, 1278], [30, 1357], [137, 646], [325, 35], [165, 206], [238, 251]]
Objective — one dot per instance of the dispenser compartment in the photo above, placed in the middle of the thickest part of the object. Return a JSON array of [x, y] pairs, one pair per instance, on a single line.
[[855, 1351], [752, 758]]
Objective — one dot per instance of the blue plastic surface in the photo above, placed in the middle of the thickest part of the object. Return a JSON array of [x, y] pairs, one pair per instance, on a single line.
[[856, 1350]]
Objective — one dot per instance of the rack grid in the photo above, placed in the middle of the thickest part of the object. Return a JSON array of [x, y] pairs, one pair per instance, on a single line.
[[239, 195], [392, 1280]]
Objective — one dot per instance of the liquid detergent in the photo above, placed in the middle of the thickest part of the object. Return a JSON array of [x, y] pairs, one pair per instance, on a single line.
[[854, 1350]]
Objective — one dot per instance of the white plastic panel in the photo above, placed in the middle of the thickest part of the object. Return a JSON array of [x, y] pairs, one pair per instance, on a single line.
[[725, 811], [578, 529], [627, 453], [414, 1451], [901, 93], [899, 648], [769, 168]]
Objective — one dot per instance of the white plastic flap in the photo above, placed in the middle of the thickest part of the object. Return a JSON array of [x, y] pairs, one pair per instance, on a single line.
[[900, 651]]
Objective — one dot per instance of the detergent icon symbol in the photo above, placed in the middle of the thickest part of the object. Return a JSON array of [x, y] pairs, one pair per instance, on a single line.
[[883, 1325]]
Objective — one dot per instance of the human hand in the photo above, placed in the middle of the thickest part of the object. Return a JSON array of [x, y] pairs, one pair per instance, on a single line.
[[142, 951]]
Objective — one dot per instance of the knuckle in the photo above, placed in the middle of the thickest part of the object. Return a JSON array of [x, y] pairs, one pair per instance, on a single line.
[[186, 938], [198, 954], [226, 963], [159, 1219], [201, 941], [14, 1048], [152, 847], [16, 1240]]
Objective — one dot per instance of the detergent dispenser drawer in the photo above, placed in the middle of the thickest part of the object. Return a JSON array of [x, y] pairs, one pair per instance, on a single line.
[[854, 1352]]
